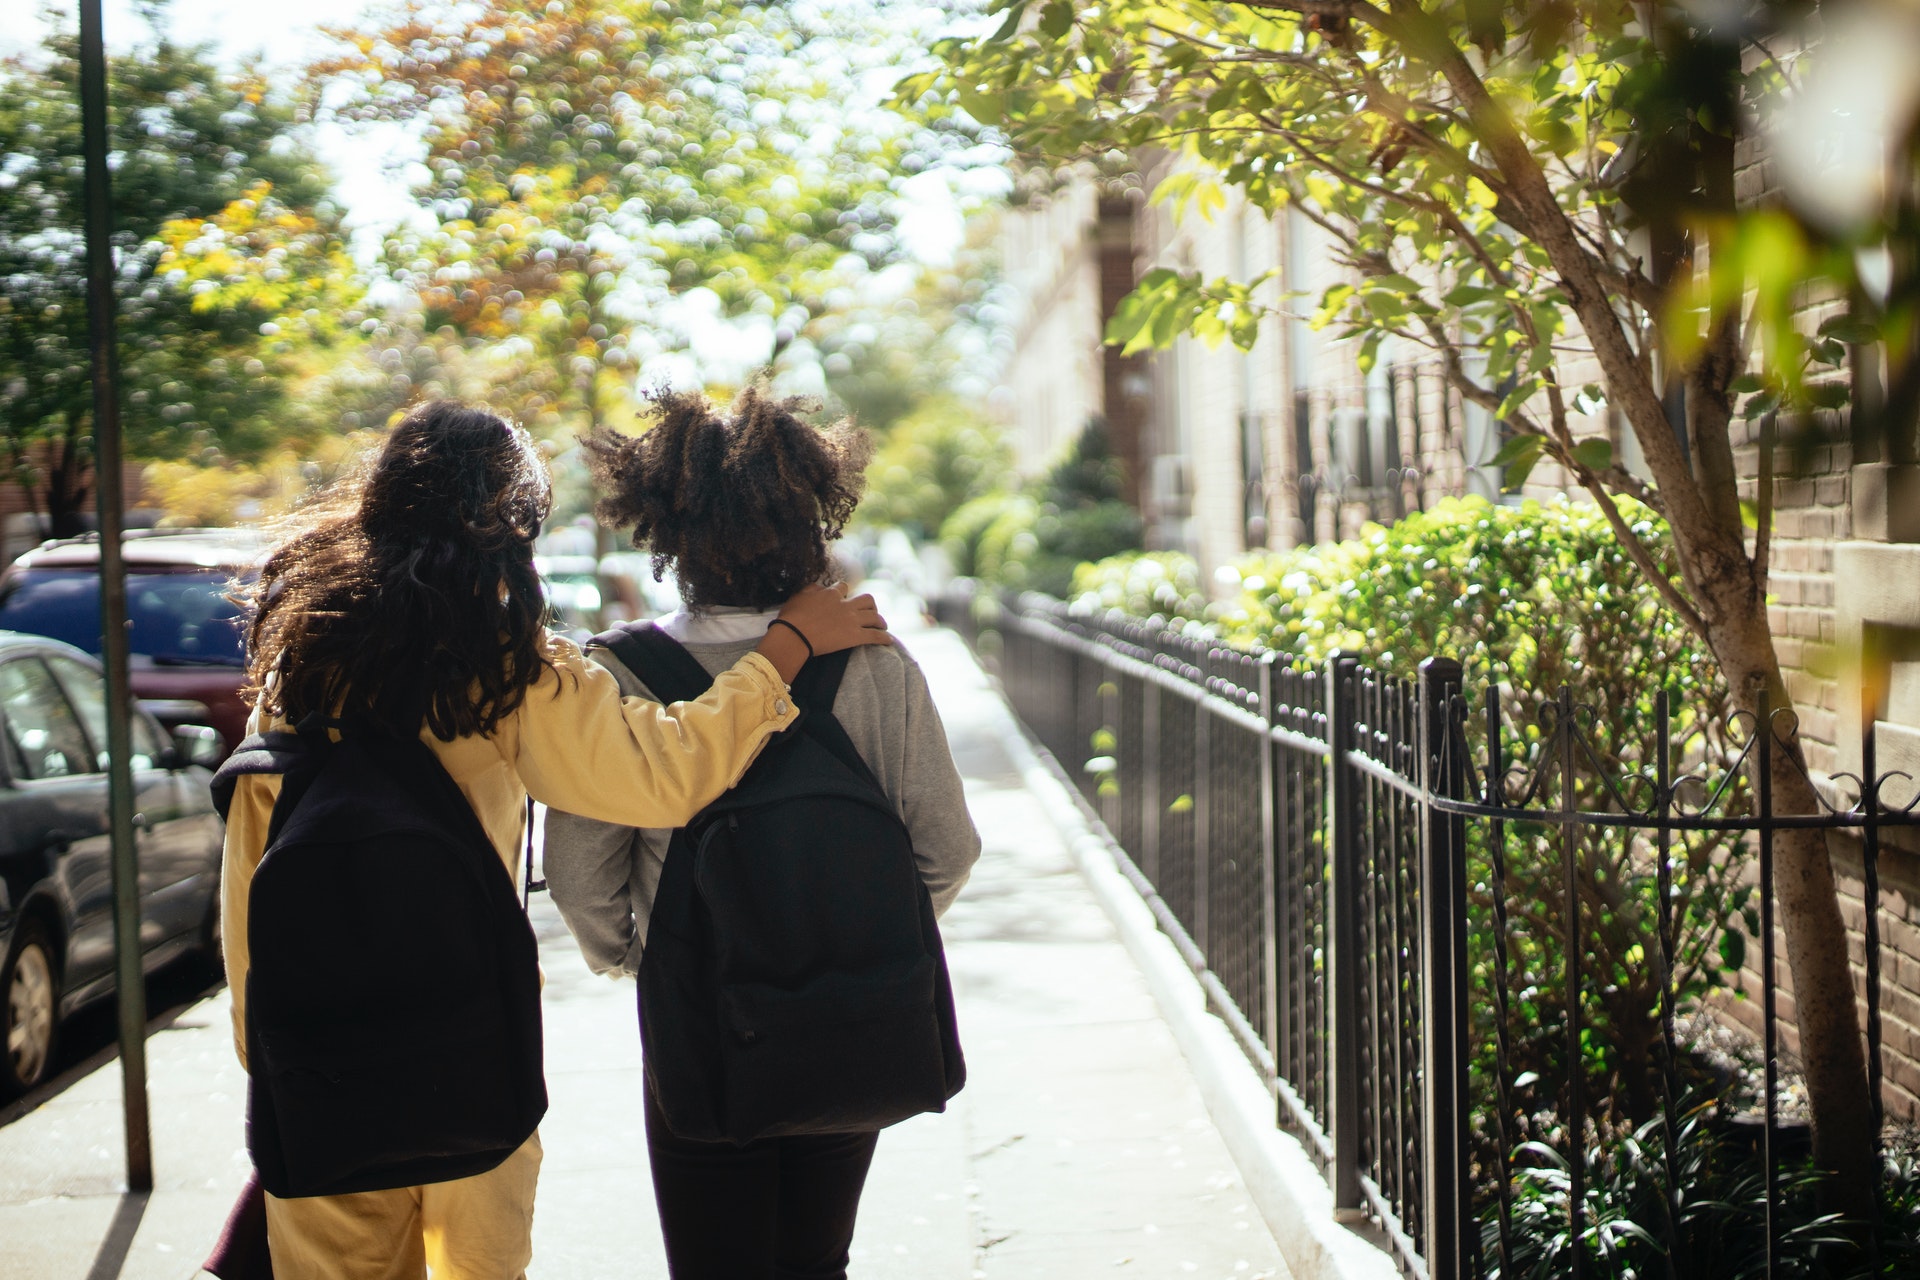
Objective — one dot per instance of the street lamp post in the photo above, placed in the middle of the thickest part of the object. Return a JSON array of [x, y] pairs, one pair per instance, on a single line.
[[129, 976]]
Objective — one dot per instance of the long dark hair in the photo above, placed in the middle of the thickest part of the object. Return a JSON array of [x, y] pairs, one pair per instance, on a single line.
[[741, 507], [408, 595]]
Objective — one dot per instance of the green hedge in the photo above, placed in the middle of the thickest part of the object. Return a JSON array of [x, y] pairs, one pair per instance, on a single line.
[[1033, 539], [929, 464], [1536, 597]]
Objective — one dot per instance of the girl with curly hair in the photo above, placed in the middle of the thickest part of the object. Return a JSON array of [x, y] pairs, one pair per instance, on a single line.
[[409, 603], [742, 509]]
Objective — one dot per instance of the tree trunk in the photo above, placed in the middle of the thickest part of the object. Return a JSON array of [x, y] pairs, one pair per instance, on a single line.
[[1720, 577], [67, 488], [1808, 905]]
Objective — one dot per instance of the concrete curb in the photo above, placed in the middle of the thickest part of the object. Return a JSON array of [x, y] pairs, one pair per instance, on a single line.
[[1280, 1176]]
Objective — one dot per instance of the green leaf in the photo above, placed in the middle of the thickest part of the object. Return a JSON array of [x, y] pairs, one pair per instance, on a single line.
[[1594, 454], [1848, 329], [1016, 10], [1056, 19], [1525, 446], [1516, 475], [1733, 949], [1387, 308], [1369, 351], [1516, 400], [1465, 295], [986, 108], [1186, 187]]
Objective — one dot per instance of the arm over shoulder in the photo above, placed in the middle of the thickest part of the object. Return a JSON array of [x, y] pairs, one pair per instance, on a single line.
[[578, 745], [591, 867]]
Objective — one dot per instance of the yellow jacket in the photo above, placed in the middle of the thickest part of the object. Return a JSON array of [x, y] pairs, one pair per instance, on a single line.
[[574, 744]]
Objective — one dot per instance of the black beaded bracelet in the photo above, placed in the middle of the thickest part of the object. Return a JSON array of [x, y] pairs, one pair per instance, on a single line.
[[782, 622]]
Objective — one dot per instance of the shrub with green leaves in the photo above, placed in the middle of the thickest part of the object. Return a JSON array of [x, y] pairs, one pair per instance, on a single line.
[[1533, 598], [931, 463], [1033, 540], [1720, 1229], [1163, 586]]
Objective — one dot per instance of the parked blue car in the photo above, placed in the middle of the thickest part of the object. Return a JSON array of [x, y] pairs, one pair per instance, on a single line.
[[56, 881]]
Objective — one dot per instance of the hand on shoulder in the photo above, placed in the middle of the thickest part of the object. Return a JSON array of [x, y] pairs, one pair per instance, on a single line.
[[830, 620]]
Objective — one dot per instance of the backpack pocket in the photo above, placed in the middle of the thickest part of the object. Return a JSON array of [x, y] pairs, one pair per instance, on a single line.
[[754, 1009], [381, 1118], [843, 1054]]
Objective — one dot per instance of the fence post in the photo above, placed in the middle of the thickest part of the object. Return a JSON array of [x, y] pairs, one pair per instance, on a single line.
[[1344, 1121], [1269, 864], [1449, 1246], [1149, 856], [1202, 818]]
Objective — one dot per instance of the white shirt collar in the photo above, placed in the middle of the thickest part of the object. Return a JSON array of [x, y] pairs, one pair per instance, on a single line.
[[722, 624]]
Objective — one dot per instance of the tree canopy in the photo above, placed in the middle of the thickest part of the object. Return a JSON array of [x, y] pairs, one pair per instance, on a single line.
[[228, 255], [591, 159], [1544, 197]]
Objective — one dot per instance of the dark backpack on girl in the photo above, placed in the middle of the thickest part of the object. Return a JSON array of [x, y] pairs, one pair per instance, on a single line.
[[393, 998], [793, 980]]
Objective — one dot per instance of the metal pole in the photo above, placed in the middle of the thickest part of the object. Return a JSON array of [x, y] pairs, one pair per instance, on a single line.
[[1669, 1045], [1202, 821], [1270, 875], [129, 976], [1343, 944], [1769, 1015], [1576, 1062], [1503, 1049], [1443, 1015]]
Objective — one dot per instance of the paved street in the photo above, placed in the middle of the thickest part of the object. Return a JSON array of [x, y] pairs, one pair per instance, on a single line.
[[1079, 1147]]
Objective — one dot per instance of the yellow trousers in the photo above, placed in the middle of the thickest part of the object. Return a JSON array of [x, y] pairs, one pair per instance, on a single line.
[[478, 1228]]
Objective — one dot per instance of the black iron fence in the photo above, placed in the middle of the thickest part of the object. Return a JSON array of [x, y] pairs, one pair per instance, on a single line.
[[1340, 855]]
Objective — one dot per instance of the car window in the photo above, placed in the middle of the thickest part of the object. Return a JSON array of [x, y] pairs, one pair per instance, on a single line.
[[177, 619], [146, 744], [86, 690], [185, 618], [44, 738]]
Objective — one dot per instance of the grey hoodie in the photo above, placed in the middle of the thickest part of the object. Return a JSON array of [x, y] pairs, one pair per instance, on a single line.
[[603, 876]]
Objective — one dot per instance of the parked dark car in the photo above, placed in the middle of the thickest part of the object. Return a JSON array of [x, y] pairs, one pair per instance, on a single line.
[[56, 881], [187, 642]]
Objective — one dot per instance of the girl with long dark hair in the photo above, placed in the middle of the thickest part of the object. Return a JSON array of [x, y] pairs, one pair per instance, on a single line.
[[742, 508], [409, 602]]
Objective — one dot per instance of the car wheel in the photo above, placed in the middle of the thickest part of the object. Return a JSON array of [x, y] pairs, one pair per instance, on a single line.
[[32, 1006]]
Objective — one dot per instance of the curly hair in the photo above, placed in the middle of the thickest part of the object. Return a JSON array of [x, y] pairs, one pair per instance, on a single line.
[[408, 595], [741, 507]]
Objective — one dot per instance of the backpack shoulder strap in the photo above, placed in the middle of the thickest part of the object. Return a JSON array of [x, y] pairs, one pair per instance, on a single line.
[[819, 681], [663, 665], [814, 690], [275, 751]]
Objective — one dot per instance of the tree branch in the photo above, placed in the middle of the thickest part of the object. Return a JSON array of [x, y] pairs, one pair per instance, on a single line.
[[1706, 554]]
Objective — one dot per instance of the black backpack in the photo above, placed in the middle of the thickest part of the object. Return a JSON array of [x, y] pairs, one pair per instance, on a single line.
[[793, 980], [393, 1001]]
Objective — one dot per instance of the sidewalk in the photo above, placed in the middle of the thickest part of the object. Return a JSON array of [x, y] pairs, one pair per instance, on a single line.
[[1080, 1146]]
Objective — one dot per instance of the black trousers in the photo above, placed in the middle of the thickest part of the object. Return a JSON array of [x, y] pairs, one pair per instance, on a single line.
[[777, 1209]]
